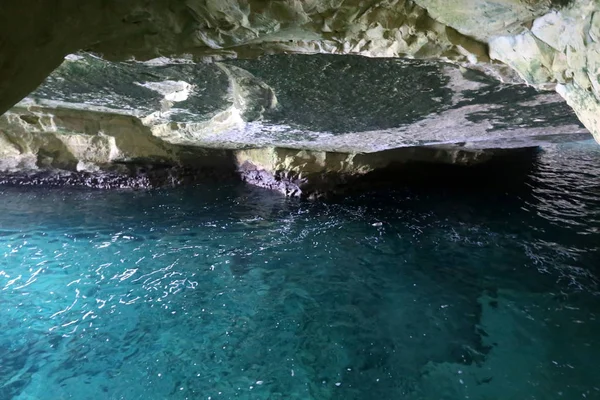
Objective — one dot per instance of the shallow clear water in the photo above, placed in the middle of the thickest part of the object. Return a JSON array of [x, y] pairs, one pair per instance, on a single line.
[[479, 285]]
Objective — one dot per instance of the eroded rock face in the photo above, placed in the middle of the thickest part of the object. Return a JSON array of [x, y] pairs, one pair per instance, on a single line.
[[294, 123], [487, 19], [324, 103], [37, 35], [561, 49], [546, 41], [196, 83], [314, 174]]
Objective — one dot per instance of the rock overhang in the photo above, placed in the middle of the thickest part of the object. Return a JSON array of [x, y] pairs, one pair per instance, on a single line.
[[317, 102], [178, 80]]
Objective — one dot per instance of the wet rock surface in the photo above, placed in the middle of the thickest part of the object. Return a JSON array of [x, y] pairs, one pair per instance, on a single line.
[[291, 172], [317, 175], [546, 43], [329, 103], [300, 125], [136, 177]]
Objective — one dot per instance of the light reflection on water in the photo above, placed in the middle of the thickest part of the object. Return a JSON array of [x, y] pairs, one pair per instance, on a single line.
[[449, 289]]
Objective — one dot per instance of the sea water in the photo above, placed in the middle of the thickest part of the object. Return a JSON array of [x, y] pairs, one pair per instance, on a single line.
[[466, 285]]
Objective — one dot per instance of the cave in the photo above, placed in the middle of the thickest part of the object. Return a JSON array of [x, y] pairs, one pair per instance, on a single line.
[[289, 199]]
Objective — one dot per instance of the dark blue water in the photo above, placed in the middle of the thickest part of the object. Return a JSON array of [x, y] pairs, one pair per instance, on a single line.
[[461, 285]]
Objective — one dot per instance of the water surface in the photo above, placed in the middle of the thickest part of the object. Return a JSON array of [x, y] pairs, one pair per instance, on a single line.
[[464, 285]]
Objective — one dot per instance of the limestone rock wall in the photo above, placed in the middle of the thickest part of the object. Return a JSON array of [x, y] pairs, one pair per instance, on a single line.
[[302, 125], [38, 138], [36, 34], [561, 49], [548, 42], [487, 19], [318, 102]]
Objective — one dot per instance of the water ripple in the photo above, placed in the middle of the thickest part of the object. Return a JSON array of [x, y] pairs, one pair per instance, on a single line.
[[437, 291]]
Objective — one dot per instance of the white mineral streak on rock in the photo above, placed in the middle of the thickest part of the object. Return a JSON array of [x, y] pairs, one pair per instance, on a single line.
[[194, 133], [73, 57], [174, 91]]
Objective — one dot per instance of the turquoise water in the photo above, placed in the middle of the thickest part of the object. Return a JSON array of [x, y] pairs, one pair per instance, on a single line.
[[479, 284]]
